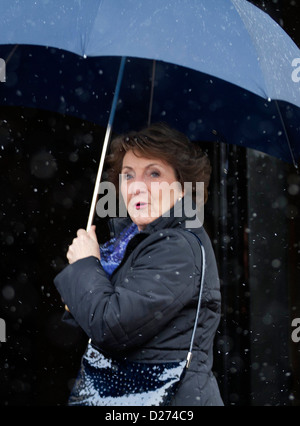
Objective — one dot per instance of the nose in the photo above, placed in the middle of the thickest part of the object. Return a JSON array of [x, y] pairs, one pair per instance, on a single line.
[[137, 187]]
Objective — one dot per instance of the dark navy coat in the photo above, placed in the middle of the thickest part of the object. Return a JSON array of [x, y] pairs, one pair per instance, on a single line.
[[146, 310]]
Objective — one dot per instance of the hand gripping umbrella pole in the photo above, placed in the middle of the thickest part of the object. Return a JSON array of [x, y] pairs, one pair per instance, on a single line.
[[106, 143]]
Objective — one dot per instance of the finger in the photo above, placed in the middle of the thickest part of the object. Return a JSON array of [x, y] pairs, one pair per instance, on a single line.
[[92, 233], [69, 257], [70, 250], [81, 232]]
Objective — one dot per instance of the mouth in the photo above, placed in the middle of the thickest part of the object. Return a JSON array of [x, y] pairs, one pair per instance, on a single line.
[[140, 205]]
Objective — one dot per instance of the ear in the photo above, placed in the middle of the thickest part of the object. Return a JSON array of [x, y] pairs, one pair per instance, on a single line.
[[181, 195]]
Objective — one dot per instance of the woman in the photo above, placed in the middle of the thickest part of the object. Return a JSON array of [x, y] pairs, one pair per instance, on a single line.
[[137, 296]]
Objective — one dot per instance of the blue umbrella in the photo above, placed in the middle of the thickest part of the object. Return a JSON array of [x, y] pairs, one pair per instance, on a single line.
[[218, 67], [232, 40]]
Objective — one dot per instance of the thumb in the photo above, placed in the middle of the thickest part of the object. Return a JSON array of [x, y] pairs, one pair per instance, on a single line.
[[92, 233]]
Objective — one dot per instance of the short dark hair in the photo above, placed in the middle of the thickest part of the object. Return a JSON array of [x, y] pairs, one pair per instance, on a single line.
[[189, 161]]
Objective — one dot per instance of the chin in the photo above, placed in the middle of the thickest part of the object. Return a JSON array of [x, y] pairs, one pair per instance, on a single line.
[[142, 222]]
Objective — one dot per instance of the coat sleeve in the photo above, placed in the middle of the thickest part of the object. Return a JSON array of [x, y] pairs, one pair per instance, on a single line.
[[161, 279]]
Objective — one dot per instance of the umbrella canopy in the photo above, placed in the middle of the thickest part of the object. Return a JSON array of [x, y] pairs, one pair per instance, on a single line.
[[220, 46], [232, 40]]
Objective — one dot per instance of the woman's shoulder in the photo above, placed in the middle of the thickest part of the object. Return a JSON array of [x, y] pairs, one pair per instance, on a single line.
[[169, 241], [182, 233], [179, 241]]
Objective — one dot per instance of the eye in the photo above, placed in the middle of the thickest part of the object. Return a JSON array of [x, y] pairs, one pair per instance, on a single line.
[[127, 176], [155, 174]]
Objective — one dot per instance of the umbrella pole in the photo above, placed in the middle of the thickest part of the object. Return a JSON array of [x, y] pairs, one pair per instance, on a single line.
[[11, 53], [286, 135], [105, 144], [152, 92]]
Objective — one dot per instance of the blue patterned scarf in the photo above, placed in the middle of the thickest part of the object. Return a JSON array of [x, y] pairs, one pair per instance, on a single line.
[[112, 252]]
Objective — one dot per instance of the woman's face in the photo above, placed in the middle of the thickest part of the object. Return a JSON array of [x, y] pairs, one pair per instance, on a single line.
[[149, 188]]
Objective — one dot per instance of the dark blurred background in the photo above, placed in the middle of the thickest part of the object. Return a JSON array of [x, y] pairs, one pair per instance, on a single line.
[[48, 164]]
